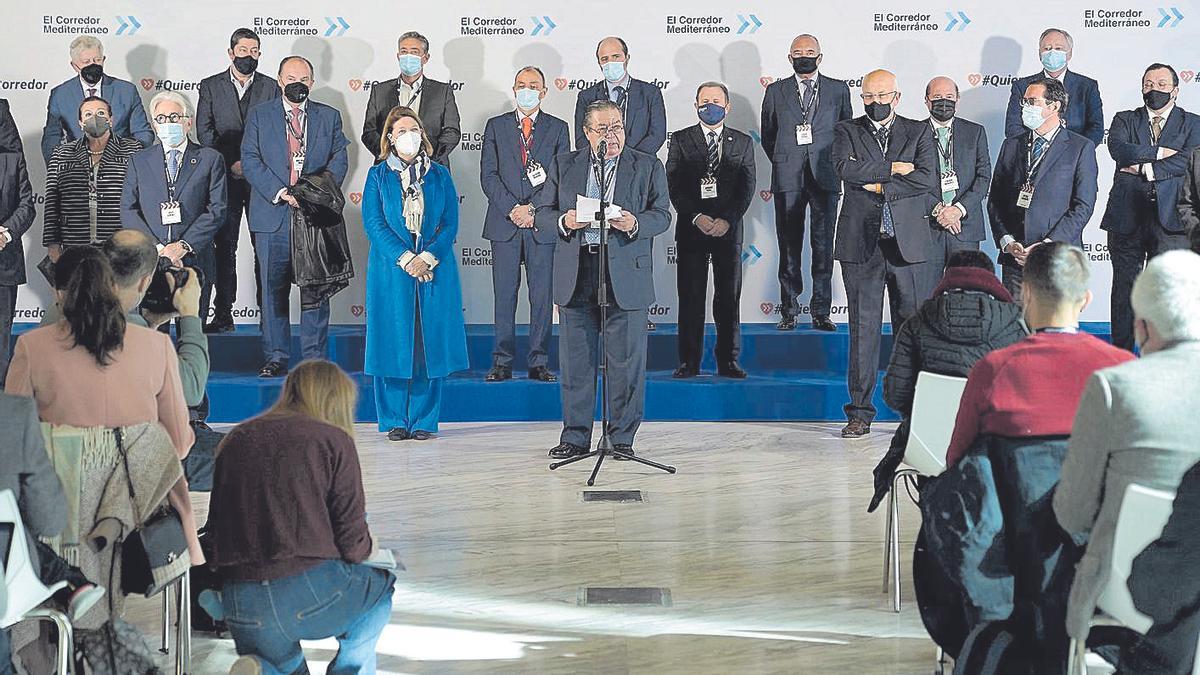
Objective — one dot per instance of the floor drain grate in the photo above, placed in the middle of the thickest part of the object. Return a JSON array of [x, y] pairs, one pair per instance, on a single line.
[[625, 596], [619, 496]]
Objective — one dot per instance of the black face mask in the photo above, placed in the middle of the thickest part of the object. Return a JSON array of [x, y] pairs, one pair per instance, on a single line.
[[245, 64], [942, 109], [878, 111], [92, 74], [296, 92], [803, 65], [1156, 100]]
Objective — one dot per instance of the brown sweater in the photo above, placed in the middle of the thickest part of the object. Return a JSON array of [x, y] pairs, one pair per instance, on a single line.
[[287, 495]]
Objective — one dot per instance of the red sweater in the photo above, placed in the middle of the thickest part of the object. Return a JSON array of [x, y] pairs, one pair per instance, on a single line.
[[1031, 388]]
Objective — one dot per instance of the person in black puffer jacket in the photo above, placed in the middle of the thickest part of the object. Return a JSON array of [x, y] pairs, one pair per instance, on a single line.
[[969, 314]]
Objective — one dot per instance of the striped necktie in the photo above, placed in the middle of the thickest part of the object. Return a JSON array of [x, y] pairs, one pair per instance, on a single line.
[[173, 164], [713, 155]]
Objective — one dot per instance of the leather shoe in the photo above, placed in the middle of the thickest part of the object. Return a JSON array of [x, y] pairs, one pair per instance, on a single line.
[[273, 369], [222, 324], [856, 429], [625, 448], [542, 374], [786, 323], [498, 374], [731, 369], [398, 434], [650, 325], [822, 322], [419, 435], [567, 451], [685, 370]]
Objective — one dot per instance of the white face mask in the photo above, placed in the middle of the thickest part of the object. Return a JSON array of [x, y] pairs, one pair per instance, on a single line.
[[407, 142]]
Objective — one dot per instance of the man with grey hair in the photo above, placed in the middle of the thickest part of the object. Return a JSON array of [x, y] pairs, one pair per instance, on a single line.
[[1085, 114], [62, 111], [433, 101], [1131, 427]]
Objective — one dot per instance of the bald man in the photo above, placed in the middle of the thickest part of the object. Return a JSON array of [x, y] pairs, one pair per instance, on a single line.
[[888, 166], [798, 116]]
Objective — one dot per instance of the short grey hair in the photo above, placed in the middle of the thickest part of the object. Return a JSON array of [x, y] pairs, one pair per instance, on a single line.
[[413, 35], [1167, 294], [1057, 273], [174, 97], [599, 106], [1070, 40], [85, 42]]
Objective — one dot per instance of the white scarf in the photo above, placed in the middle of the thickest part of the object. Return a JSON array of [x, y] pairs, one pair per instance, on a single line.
[[412, 178]]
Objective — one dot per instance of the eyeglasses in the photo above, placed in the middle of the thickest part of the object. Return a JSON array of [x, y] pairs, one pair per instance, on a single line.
[[1027, 102], [173, 118], [882, 98], [614, 130]]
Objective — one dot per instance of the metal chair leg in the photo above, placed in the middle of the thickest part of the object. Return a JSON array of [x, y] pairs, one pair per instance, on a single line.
[[895, 536], [887, 539], [165, 646], [940, 662], [183, 627], [1077, 658], [66, 636]]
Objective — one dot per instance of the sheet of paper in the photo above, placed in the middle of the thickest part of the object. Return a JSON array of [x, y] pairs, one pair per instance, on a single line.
[[586, 208]]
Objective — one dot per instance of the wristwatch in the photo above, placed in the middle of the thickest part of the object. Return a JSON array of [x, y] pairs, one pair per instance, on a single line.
[[186, 246]]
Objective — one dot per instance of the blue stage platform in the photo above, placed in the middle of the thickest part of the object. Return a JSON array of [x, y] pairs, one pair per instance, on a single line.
[[797, 375]]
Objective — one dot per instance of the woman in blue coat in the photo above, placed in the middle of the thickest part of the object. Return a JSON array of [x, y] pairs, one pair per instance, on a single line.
[[415, 331]]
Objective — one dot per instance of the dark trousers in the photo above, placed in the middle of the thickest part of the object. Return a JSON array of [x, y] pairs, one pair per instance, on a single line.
[[1130, 253], [538, 260], [692, 279], [906, 285], [205, 260], [1011, 274], [274, 251], [790, 214], [579, 349], [8, 307], [224, 276], [944, 246]]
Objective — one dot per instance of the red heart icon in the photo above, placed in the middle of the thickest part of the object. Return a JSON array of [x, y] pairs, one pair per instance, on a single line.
[[357, 310], [765, 80], [356, 197], [765, 195], [1187, 75], [561, 83], [147, 83], [767, 308], [356, 84], [974, 79]]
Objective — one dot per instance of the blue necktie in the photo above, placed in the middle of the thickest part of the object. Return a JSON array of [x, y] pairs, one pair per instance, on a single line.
[[173, 164], [887, 227], [591, 235], [1039, 146]]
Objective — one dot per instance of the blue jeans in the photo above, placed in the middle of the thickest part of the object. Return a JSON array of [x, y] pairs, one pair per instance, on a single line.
[[274, 251], [334, 599]]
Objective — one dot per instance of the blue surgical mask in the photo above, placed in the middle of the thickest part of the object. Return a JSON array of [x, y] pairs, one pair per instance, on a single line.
[[614, 71], [170, 133], [410, 64], [1031, 116], [1054, 60], [528, 99], [711, 113]]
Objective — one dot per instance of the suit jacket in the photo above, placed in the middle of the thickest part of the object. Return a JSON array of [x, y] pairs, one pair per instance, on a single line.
[[10, 138], [16, 215], [1064, 193], [1085, 111], [219, 121], [1189, 195], [687, 163], [268, 166], [1126, 431], [62, 113], [645, 115], [25, 469], [640, 188], [502, 174], [438, 113], [66, 216], [199, 189], [780, 117], [973, 166], [1129, 144], [858, 162]]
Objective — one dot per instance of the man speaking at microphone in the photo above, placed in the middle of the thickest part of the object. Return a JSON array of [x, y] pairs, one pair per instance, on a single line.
[[635, 187]]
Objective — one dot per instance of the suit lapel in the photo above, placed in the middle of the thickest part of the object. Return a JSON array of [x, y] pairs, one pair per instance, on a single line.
[[958, 140], [623, 191], [1141, 126], [1173, 124], [510, 136], [186, 167], [867, 129], [425, 110], [1056, 150], [577, 173], [791, 92]]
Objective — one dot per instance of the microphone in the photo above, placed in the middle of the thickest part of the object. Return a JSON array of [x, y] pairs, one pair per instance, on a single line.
[[602, 151]]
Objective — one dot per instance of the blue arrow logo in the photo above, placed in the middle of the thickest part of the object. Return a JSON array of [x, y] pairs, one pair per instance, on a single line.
[[747, 20], [962, 20], [751, 255], [542, 22], [127, 25], [1173, 17], [337, 26]]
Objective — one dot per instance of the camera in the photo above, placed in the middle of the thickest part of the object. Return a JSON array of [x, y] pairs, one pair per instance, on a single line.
[[160, 296]]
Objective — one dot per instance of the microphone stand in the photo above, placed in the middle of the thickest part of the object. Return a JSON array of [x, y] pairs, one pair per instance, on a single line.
[[605, 447]]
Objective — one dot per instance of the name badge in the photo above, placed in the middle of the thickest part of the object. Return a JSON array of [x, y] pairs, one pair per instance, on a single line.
[[535, 173], [1025, 196], [708, 188], [804, 134], [298, 162], [949, 181], [170, 213]]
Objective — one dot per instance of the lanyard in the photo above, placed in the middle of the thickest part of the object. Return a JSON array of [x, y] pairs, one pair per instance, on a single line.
[[809, 113], [526, 145], [947, 154], [1033, 166], [287, 122], [416, 92]]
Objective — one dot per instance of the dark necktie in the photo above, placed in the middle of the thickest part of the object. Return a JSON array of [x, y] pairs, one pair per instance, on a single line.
[[713, 155], [91, 92], [887, 228], [1156, 126], [806, 99], [1039, 146], [619, 97]]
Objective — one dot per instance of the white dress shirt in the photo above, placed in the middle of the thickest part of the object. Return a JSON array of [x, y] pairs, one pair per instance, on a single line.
[[87, 86], [405, 91], [240, 88]]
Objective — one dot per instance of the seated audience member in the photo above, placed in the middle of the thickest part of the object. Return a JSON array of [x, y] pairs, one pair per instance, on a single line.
[[1131, 426], [294, 471], [969, 314], [1032, 388]]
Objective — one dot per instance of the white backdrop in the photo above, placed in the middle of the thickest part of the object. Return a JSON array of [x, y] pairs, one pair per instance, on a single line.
[[479, 46]]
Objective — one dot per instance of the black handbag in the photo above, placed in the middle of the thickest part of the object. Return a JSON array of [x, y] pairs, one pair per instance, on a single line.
[[155, 554]]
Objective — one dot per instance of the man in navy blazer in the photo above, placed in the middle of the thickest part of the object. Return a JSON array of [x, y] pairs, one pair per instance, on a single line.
[[638, 186], [1151, 146], [282, 141], [1044, 184], [175, 191], [964, 176], [1085, 114], [225, 101], [62, 111], [518, 147], [17, 212], [798, 116]]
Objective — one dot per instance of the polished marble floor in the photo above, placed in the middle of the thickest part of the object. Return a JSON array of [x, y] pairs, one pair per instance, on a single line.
[[762, 538]]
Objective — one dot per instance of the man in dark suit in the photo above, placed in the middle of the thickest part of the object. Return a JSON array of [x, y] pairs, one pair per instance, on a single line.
[[175, 190], [1044, 184], [710, 174], [1151, 146], [636, 184], [62, 111], [517, 147], [282, 142], [433, 101], [798, 116], [10, 138], [1086, 114], [16, 215], [888, 166], [225, 101], [964, 175]]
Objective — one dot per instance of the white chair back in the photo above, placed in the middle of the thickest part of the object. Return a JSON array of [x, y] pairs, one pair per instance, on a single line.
[[935, 406], [22, 585], [1144, 512]]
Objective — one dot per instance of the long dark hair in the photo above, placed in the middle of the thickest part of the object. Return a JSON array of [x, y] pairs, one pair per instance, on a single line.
[[89, 301]]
